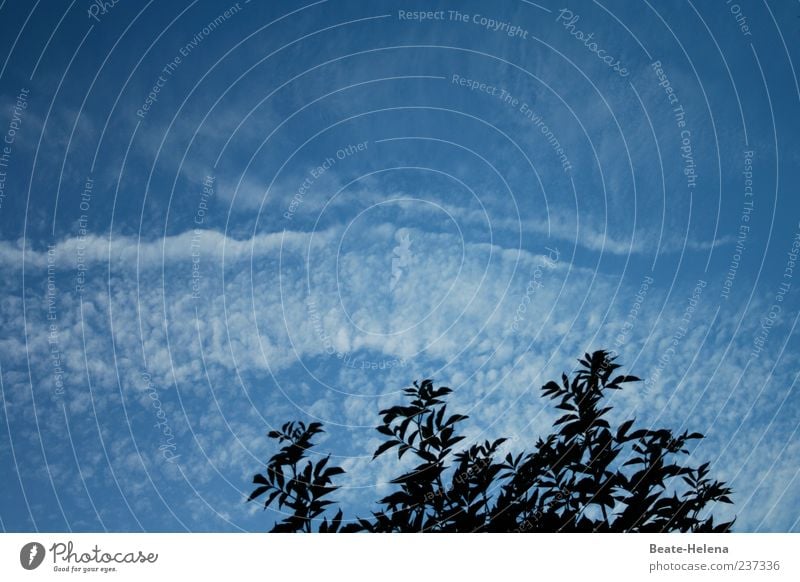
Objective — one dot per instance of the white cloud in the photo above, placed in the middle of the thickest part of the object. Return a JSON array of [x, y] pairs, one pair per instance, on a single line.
[[265, 359]]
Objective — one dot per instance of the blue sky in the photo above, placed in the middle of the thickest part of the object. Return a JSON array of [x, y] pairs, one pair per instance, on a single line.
[[217, 217]]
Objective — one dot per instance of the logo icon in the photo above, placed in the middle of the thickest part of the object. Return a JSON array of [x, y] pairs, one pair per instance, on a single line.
[[31, 555]]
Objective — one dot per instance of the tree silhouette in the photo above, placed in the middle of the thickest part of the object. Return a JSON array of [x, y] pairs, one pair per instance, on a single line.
[[583, 477]]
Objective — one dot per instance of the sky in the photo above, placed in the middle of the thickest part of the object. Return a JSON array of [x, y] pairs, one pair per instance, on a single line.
[[219, 217]]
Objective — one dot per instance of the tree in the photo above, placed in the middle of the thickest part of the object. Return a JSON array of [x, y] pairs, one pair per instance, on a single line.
[[583, 477]]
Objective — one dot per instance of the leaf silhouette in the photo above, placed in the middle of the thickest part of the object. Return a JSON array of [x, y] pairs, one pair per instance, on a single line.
[[635, 478]]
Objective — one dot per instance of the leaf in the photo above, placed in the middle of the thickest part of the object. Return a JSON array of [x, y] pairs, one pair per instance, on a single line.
[[334, 471], [441, 391], [270, 498], [455, 418], [455, 440], [258, 492], [565, 418], [320, 466], [277, 472], [550, 388], [635, 461], [623, 428], [385, 447], [440, 415], [582, 462], [404, 426], [427, 456], [383, 429], [623, 379], [396, 499]]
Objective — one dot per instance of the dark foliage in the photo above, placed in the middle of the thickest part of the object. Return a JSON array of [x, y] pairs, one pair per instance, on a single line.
[[583, 477]]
